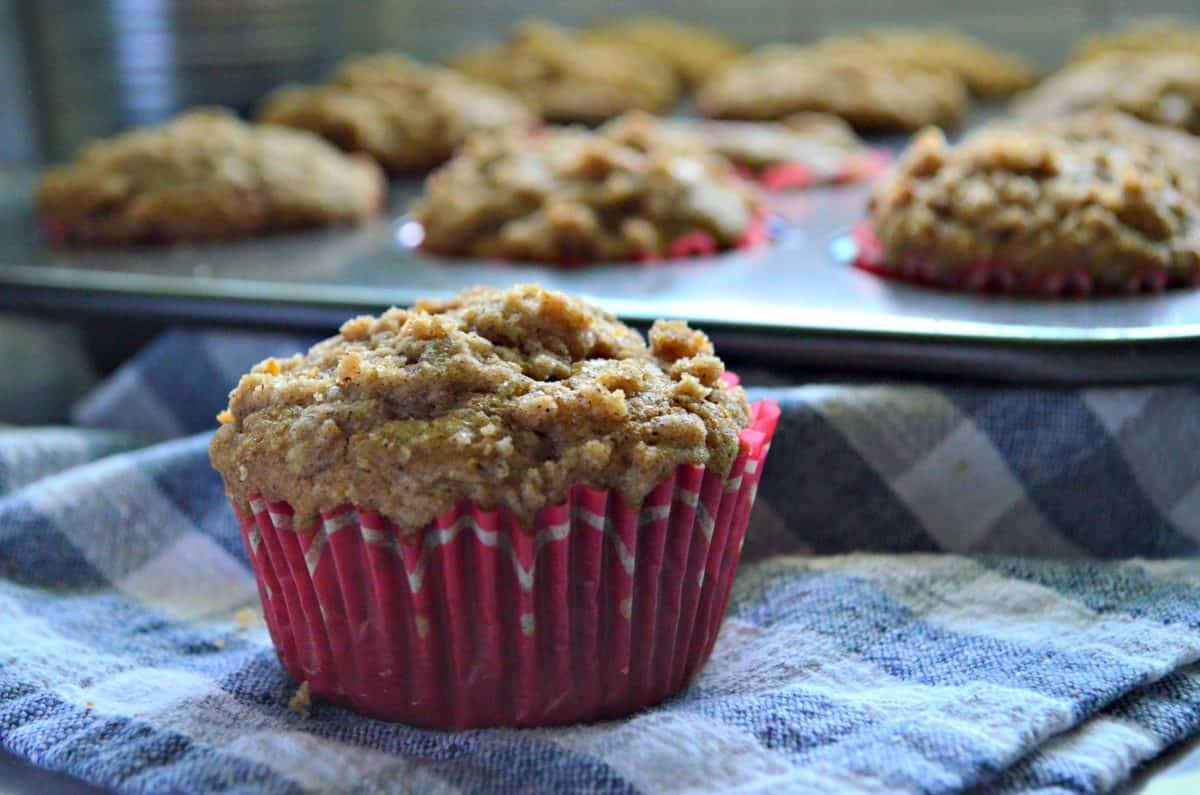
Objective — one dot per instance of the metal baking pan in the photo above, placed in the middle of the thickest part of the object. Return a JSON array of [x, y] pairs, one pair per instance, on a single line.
[[797, 302]]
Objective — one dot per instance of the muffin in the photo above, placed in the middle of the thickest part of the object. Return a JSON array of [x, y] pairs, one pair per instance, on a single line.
[[987, 71], [408, 117], [803, 150], [205, 176], [870, 94], [565, 78], [501, 509], [693, 52], [569, 197], [1154, 37], [1097, 202], [1160, 88]]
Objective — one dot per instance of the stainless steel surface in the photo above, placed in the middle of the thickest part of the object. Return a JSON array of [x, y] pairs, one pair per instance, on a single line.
[[98, 66], [793, 301]]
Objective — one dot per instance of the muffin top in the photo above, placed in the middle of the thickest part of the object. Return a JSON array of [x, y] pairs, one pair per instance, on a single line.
[[571, 196], [1160, 88], [206, 175], [869, 93], [694, 52], [1099, 191], [1154, 37], [565, 78], [504, 397], [407, 116], [987, 71]]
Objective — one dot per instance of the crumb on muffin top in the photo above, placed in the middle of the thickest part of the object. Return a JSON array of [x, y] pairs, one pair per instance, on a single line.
[[505, 397]]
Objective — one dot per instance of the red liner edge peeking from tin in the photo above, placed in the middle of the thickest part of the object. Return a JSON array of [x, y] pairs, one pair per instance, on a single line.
[[1002, 278], [689, 245], [799, 175], [599, 610]]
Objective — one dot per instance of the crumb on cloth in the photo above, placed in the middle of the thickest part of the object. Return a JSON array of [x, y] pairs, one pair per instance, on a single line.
[[301, 701]]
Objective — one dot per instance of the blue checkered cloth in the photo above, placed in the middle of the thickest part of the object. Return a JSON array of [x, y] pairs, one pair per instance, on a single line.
[[945, 589]]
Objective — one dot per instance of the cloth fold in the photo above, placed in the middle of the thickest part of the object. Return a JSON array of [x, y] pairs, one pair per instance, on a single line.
[[926, 606]]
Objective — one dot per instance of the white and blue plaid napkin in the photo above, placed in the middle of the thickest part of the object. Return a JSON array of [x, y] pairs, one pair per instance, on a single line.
[[946, 589]]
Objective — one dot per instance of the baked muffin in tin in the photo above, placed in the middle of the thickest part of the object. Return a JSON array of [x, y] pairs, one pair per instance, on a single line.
[[1091, 203], [871, 94], [206, 176], [571, 196], [408, 117], [566, 78]]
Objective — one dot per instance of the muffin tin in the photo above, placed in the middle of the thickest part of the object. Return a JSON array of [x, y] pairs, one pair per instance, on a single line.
[[797, 302]]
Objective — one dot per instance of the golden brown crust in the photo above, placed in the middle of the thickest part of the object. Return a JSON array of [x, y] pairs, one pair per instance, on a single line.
[[504, 397], [569, 195], [1100, 192], [694, 52], [1160, 88], [567, 79], [987, 71], [776, 82], [206, 176], [407, 116]]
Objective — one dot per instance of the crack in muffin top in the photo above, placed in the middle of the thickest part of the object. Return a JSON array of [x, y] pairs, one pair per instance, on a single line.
[[504, 397]]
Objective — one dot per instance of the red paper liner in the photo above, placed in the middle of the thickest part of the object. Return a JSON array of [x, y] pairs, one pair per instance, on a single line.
[[599, 610], [1005, 279], [800, 175]]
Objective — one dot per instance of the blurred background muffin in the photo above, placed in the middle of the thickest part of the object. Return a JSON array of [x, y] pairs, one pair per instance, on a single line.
[[987, 71], [206, 176], [567, 78], [408, 117], [870, 94], [1157, 87], [692, 51]]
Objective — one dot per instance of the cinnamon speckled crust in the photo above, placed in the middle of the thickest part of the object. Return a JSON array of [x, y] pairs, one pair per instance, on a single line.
[[407, 116], [1154, 37], [206, 176], [1160, 88], [1100, 192], [987, 71], [570, 195], [870, 94], [694, 52], [505, 397], [565, 78]]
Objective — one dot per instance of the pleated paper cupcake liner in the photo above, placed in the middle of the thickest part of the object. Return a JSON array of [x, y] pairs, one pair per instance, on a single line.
[[598, 610], [1008, 279]]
